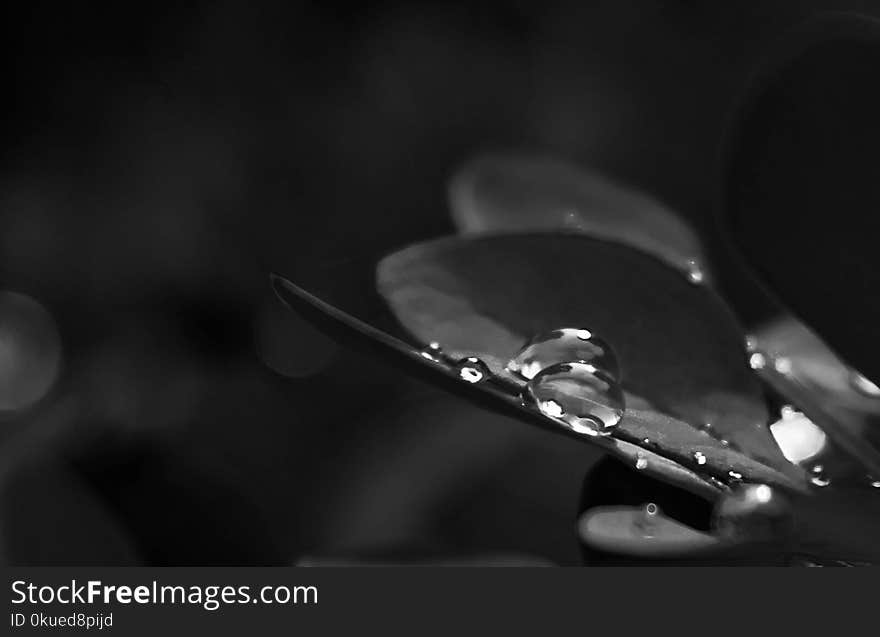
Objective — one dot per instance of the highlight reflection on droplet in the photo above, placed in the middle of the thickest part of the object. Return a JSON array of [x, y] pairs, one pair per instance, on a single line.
[[797, 436], [585, 398], [564, 345], [472, 370], [864, 385]]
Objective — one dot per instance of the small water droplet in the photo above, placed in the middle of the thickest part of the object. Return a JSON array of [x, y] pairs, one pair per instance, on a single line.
[[820, 481], [641, 462], [875, 484], [788, 412], [817, 468], [646, 522], [751, 343], [700, 457], [585, 398], [735, 475], [433, 352], [646, 441], [695, 273], [757, 361], [563, 346], [472, 369], [864, 385], [724, 443]]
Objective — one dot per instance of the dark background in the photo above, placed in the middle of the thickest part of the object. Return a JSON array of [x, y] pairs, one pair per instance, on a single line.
[[158, 162]]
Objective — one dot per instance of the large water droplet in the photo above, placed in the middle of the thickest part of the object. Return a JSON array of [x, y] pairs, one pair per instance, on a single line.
[[472, 369], [753, 512], [587, 399], [564, 345]]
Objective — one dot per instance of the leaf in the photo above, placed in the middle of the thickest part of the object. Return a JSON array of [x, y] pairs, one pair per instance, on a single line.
[[500, 193], [800, 194], [678, 344], [501, 400], [815, 365], [630, 531]]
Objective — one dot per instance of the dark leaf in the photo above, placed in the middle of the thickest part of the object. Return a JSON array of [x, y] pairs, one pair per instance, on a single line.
[[801, 193], [665, 431], [679, 346], [502, 193]]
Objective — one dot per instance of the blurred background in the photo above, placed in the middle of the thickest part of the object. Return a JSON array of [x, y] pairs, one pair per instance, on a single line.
[[157, 405]]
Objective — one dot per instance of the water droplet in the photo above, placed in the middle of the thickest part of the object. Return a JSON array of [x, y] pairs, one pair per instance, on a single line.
[[787, 412], [472, 369], [735, 475], [817, 468], [757, 361], [864, 386], [646, 441], [875, 484], [647, 521], [695, 273], [724, 443], [641, 462], [820, 481], [433, 352], [563, 346], [585, 398], [751, 343], [700, 457], [753, 512]]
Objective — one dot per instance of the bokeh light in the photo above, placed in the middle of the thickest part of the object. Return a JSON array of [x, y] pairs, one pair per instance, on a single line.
[[30, 351]]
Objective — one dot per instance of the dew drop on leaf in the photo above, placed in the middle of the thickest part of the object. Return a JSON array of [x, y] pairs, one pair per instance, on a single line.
[[432, 352], [699, 457], [585, 398], [647, 522], [820, 481], [695, 272], [472, 370], [757, 361], [562, 346]]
